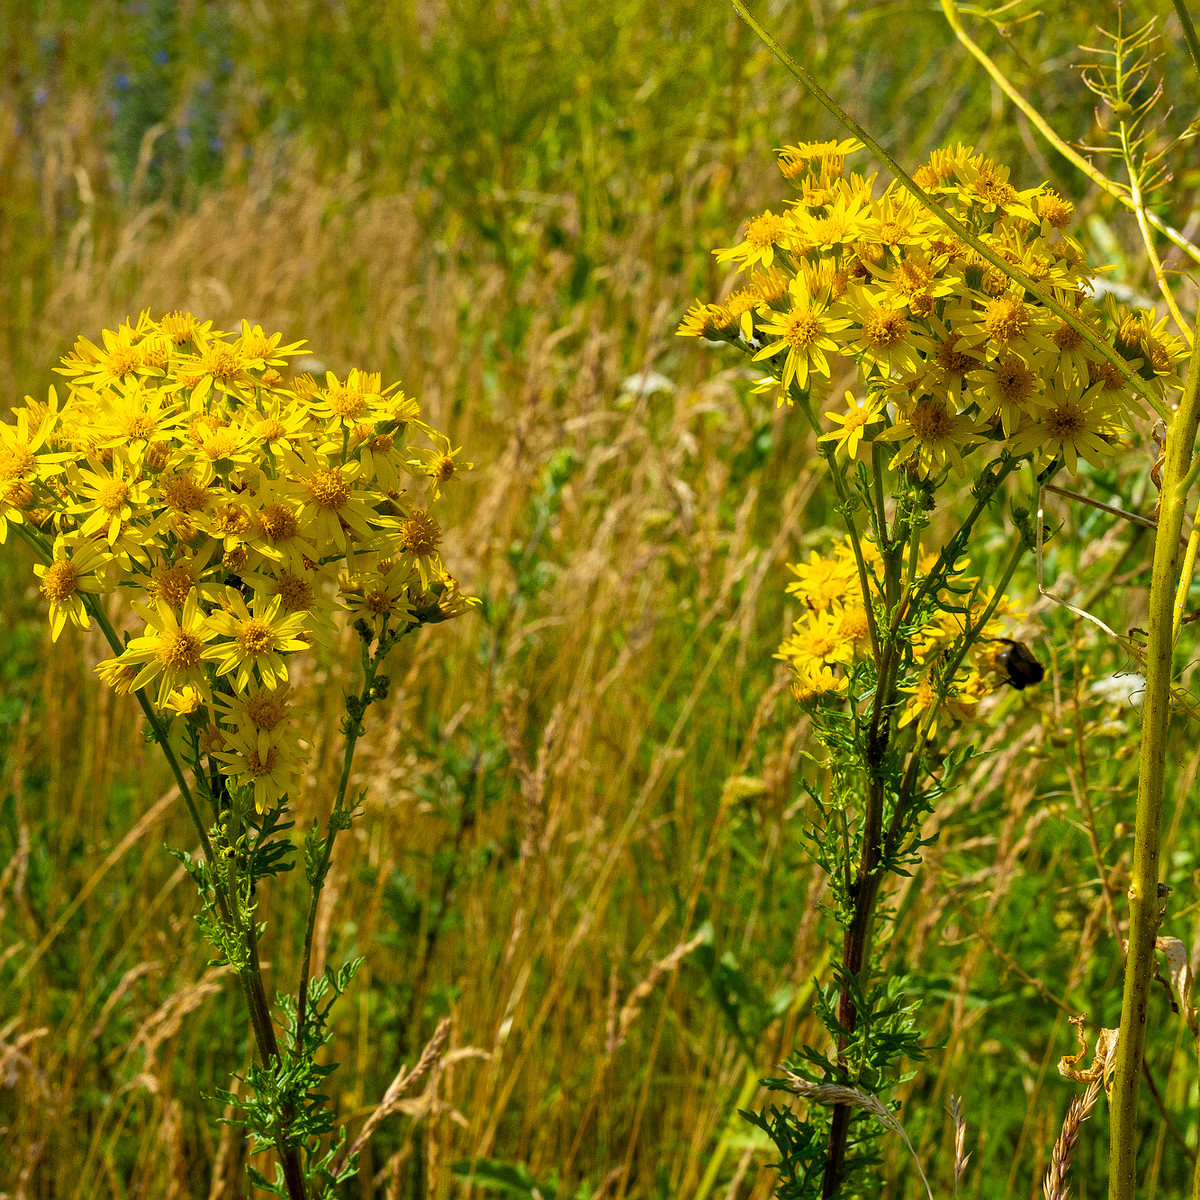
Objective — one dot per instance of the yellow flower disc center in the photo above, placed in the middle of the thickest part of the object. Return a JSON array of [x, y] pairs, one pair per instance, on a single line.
[[803, 328], [343, 402], [1066, 423], [15, 460], [123, 360], [259, 765], [913, 277], [378, 602], [953, 361], [172, 585], [1053, 208], [421, 533], [278, 522], [112, 495], [221, 362], [138, 426], [1006, 318], [382, 443], [764, 230], [930, 420], [1016, 382], [222, 444], [268, 430], [856, 418], [921, 305], [329, 489], [821, 645], [265, 710], [230, 519], [256, 637], [59, 581], [884, 328], [180, 649], [184, 495], [295, 592]]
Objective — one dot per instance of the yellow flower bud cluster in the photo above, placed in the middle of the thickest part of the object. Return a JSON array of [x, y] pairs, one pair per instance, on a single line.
[[241, 507], [954, 355]]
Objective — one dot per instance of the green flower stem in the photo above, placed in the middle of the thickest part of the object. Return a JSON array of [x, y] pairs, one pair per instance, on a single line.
[[353, 732], [877, 454], [969, 638], [984, 490], [1135, 382], [1144, 902], [251, 980], [839, 486], [951, 13], [865, 890]]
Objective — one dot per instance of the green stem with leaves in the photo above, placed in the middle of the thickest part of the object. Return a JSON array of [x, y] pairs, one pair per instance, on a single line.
[[228, 909]]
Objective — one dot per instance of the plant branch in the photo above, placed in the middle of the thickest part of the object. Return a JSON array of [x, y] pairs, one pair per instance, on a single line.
[[1081, 164], [1144, 911]]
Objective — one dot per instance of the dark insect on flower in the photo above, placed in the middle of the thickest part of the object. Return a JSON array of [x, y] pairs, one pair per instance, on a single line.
[[1019, 665]]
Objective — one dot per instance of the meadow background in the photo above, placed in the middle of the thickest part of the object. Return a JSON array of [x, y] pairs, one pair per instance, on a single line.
[[581, 838]]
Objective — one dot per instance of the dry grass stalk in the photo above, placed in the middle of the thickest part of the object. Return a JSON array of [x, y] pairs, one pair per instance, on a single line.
[[147, 822], [1054, 1183], [633, 1003], [229, 1162], [430, 1057], [830, 1094], [14, 1060], [165, 1022], [961, 1157], [533, 779]]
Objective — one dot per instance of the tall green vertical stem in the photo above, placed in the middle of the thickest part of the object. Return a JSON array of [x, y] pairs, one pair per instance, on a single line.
[[1144, 903]]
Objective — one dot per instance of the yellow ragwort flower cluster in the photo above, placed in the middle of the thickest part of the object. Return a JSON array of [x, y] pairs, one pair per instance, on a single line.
[[953, 355], [240, 508], [833, 635]]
